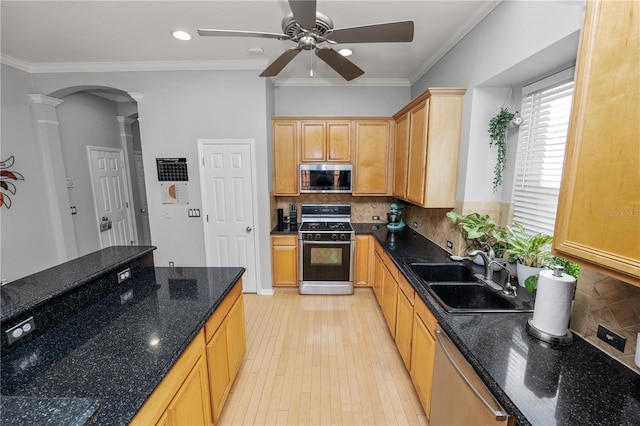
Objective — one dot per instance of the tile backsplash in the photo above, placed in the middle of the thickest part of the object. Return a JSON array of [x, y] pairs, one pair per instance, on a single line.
[[604, 300]]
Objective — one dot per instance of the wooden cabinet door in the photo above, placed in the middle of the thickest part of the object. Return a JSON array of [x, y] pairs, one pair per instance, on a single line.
[[218, 359], [338, 145], [312, 141], [378, 268], [285, 157], [401, 157], [404, 326], [417, 163], [598, 218], [284, 258], [191, 404], [372, 168], [236, 340], [389, 299], [422, 356], [363, 260]]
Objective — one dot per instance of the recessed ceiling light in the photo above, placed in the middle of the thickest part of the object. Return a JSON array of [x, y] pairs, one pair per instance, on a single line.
[[181, 35], [345, 52]]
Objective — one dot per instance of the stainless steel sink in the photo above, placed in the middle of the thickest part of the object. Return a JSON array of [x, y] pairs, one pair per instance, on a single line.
[[455, 288], [442, 272]]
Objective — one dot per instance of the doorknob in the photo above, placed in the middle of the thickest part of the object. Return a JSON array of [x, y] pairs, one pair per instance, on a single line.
[[249, 229]]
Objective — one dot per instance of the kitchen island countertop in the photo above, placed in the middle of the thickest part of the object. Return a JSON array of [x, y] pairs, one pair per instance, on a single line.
[[116, 351]]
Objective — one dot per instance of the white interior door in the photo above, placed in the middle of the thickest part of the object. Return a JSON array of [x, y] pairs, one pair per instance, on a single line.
[[228, 200], [142, 201], [110, 196]]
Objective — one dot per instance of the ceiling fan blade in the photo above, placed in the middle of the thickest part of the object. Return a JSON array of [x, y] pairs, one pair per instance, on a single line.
[[376, 33], [339, 63], [304, 12], [281, 62], [236, 33]]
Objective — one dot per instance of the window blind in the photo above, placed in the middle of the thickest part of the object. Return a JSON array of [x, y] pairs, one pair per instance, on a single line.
[[540, 155]]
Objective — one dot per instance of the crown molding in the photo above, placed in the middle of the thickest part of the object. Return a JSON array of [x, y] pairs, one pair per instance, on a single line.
[[466, 28], [360, 82], [63, 67]]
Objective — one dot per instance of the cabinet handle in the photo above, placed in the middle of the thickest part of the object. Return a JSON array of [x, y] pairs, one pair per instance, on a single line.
[[499, 414]]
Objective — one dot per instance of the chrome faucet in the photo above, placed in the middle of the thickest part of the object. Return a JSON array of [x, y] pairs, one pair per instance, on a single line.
[[508, 289]]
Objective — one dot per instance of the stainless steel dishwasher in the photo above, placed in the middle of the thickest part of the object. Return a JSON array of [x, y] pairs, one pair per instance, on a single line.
[[459, 397]]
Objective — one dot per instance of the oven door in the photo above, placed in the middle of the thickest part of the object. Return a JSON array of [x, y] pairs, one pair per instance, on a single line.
[[326, 267]]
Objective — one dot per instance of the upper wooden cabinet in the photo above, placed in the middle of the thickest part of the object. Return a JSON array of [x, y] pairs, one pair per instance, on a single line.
[[427, 143], [373, 149], [323, 140], [285, 157], [598, 219]]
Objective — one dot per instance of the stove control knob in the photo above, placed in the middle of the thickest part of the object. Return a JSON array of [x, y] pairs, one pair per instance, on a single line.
[[334, 236], [317, 236], [309, 236], [343, 236]]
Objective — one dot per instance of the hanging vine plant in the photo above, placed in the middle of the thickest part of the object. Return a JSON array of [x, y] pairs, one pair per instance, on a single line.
[[498, 135]]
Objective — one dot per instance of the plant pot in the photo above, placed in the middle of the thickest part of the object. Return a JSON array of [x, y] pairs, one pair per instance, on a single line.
[[513, 269], [525, 272]]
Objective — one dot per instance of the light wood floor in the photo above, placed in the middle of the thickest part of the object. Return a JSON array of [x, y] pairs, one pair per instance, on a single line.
[[315, 360]]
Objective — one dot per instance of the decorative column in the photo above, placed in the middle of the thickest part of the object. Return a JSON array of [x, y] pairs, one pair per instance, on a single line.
[[49, 149]]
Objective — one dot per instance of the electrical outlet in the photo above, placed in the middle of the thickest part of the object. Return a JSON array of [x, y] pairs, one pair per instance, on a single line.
[[415, 225], [124, 275], [375, 217], [18, 331], [611, 338], [449, 244]]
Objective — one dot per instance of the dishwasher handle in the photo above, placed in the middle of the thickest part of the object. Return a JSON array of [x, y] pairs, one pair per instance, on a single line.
[[499, 413]]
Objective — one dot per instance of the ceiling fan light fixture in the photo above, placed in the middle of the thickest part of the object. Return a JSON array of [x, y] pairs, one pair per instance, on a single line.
[[345, 52], [181, 35]]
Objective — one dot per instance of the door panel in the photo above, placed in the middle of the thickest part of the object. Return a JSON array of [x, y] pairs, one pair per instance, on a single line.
[[228, 204], [111, 198]]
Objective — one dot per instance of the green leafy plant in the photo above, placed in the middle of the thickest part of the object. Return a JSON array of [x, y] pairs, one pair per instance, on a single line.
[[530, 250], [479, 229], [498, 135]]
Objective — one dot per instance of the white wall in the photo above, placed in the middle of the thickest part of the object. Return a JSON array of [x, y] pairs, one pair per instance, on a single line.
[[340, 100], [85, 120], [27, 240], [176, 109], [516, 42]]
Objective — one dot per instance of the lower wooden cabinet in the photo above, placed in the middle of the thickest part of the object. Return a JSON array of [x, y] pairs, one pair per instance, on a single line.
[[182, 397], [378, 268], [362, 261], [389, 298], [194, 391], [284, 260], [226, 345], [404, 320], [422, 353]]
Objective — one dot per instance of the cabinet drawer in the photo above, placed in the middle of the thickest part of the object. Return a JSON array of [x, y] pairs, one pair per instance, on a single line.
[[393, 269], [406, 288], [284, 240]]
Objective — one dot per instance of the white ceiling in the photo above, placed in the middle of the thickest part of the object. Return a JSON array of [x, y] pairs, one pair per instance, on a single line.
[[61, 36]]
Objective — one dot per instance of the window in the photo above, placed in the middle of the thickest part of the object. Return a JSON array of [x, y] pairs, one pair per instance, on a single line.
[[546, 108]]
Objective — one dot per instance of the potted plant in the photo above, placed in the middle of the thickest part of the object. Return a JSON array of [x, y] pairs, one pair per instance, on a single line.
[[498, 135], [531, 253], [478, 230]]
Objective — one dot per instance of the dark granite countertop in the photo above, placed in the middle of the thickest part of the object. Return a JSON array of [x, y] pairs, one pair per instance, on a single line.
[[30, 411], [27, 293], [117, 350], [536, 382]]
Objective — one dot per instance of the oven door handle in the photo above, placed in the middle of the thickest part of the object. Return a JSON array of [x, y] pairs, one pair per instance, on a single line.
[[327, 242]]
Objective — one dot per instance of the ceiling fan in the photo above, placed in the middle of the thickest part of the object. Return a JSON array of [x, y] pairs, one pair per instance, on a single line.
[[309, 29]]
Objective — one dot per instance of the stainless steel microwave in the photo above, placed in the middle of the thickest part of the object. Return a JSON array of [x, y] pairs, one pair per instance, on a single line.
[[326, 178]]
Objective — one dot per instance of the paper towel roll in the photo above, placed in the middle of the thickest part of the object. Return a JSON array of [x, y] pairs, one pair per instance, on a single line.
[[553, 303], [638, 351]]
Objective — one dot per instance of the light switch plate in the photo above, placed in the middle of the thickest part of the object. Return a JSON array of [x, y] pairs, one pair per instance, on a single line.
[[612, 338]]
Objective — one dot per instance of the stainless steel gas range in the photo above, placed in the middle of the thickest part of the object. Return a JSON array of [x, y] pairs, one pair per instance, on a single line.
[[326, 249]]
